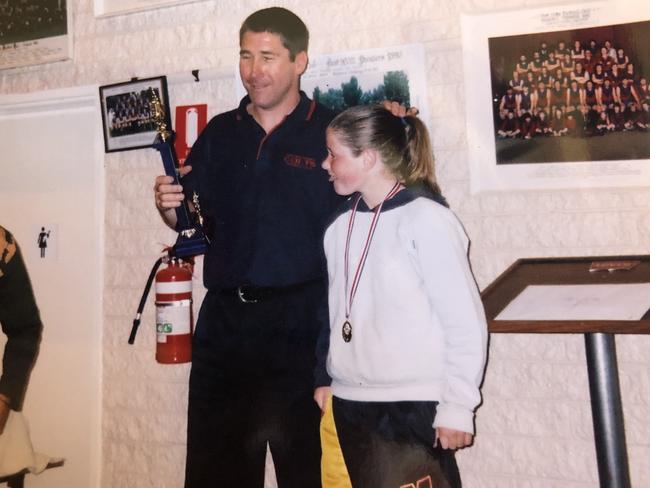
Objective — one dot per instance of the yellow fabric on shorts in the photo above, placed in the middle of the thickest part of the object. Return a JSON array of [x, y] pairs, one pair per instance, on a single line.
[[334, 473]]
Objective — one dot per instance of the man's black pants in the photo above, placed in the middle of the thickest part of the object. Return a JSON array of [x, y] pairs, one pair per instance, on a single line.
[[251, 384]]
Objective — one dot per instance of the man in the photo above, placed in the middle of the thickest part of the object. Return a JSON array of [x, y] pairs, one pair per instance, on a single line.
[[21, 324], [265, 199]]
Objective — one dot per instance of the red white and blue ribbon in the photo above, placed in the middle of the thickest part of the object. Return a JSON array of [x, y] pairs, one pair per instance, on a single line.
[[349, 297]]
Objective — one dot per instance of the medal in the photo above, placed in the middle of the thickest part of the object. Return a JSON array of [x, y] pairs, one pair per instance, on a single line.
[[346, 330]]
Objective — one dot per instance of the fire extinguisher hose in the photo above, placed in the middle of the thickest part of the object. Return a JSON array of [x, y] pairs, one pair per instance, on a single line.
[[143, 300]]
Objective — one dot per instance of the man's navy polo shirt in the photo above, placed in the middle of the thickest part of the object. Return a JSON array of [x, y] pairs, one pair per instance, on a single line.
[[265, 197]]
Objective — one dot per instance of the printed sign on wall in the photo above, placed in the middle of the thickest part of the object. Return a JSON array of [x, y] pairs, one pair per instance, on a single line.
[[44, 242], [190, 121]]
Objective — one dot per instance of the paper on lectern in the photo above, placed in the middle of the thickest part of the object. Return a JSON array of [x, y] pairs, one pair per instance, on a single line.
[[626, 301]]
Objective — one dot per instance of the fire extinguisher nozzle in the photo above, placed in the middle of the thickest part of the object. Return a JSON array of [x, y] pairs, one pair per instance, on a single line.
[[143, 300], [134, 330]]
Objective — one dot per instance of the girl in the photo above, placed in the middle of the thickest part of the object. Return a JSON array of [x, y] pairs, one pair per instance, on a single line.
[[591, 96], [607, 95], [528, 126], [562, 77], [635, 119], [558, 96], [592, 47], [567, 65], [618, 119], [407, 339], [562, 53], [589, 62], [580, 75], [616, 75], [621, 59], [558, 124], [577, 52], [574, 98], [542, 126], [603, 125], [627, 94], [544, 76], [630, 73], [541, 97], [509, 126], [611, 50], [599, 75], [605, 59]]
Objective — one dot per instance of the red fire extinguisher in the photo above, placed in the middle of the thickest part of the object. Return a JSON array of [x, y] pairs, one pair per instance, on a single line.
[[174, 320], [174, 313]]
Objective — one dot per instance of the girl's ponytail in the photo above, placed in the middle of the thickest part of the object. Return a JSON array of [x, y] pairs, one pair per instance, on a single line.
[[402, 142], [419, 164]]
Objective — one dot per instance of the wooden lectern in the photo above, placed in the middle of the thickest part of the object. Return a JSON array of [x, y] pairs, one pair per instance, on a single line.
[[606, 407]]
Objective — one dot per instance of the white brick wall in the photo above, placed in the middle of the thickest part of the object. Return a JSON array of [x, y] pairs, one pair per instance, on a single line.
[[534, 428]]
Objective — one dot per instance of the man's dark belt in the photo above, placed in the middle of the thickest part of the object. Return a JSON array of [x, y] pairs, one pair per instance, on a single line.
[[255, 294]]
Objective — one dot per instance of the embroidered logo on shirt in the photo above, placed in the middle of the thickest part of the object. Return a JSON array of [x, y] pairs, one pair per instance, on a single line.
[[425, 482], [299, 161]]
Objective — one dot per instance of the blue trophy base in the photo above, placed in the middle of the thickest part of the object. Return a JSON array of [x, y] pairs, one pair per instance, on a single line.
[[189, 246]]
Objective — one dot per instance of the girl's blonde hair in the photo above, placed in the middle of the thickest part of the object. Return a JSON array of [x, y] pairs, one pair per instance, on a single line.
[[402, 142]]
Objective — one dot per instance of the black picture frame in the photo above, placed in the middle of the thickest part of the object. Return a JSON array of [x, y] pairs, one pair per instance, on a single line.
[[127, 115]]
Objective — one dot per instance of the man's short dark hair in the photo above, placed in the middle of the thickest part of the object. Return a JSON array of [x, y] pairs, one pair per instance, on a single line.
[[280, 21]]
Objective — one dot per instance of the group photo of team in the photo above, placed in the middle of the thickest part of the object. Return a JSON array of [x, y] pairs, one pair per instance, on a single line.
[[588, 86], [23, 20], [130, 113]]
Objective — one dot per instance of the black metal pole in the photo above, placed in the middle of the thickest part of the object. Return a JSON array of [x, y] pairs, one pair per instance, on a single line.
[[607, 411]]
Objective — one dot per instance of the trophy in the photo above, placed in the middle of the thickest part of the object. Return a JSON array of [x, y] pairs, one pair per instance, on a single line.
[[192, 239]]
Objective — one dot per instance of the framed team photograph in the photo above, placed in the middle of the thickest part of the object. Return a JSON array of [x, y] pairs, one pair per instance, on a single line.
[[345, 79], [557, 97], [128, 114], [105, 8], [34, 32], [342, 80]]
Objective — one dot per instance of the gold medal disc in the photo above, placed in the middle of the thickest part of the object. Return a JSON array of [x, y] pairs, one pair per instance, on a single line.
[[346, 331]]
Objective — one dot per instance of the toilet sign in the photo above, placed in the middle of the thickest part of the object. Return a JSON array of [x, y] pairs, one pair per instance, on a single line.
[[44, 242], [190, 121]]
